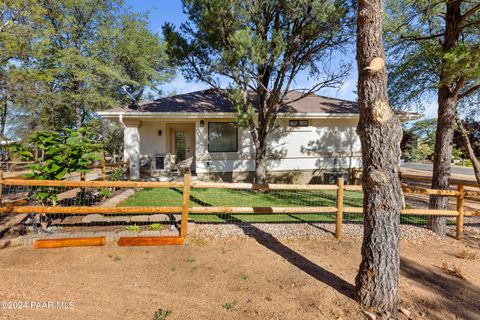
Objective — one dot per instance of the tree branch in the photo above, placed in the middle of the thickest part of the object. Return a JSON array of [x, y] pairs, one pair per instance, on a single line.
[[414, 38], [470, 12], [469, 91]]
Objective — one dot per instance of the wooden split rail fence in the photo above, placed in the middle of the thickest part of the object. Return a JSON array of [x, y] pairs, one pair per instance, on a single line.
[[184, 208]]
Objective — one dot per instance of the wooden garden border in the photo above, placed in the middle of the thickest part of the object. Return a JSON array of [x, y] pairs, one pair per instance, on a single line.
[[184, 208]]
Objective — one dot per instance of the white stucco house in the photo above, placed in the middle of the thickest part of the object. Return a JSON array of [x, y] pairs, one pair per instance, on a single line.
[[318, 138]]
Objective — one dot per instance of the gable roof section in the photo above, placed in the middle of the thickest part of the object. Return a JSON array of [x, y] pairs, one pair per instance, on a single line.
[[212, 103]]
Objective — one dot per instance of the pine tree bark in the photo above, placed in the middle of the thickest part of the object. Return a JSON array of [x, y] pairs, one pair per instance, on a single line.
[[3, 122], [260, 161], [380, 134], [447, 104]]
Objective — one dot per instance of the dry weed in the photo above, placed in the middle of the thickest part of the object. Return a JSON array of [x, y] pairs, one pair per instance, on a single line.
[[467, 255], [453, 270]]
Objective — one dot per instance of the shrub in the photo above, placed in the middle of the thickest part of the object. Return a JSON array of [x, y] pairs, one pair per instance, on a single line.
[[64, 152]]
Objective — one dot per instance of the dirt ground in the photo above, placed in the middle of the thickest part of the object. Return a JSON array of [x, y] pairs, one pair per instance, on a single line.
[[241, 279]]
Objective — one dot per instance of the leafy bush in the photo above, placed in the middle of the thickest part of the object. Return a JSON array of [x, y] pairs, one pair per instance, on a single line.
[[116, 175], [133, 228], [156, 226], [64, 152], [104, 192], [19, 151]]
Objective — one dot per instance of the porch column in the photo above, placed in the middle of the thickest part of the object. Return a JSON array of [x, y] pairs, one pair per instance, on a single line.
[[131, 147]]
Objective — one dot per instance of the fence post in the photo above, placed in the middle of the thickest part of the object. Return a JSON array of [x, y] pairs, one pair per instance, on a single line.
[[185, 205], [128, 170], [104, 171], [460, 204], [338, 226], [1, 187]]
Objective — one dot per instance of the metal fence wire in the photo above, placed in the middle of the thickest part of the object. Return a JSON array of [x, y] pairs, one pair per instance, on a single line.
[[73, 211], [65, 209]]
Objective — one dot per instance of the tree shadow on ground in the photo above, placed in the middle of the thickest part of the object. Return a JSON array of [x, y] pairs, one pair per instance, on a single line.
[[270, 242], [315, 271], [458, 296]]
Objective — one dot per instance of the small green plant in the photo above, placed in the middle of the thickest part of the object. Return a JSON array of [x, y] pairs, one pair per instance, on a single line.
[[161, 314], [114, 257], [229, 305], [116, 174], [243, 277], [156, 226], [133, 228], [190, 260], [104, 193]]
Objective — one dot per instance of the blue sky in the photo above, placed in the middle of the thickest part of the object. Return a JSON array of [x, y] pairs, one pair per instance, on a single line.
[[161, 11]]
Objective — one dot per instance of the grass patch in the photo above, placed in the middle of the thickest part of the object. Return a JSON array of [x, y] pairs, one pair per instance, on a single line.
[[245, 198], [242, 198]]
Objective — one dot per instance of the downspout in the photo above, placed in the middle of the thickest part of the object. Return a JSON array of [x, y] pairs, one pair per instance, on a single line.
[[120, 120]]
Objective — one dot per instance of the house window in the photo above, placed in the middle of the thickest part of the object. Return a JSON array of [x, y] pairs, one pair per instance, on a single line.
[[298, 123], [222, 137]]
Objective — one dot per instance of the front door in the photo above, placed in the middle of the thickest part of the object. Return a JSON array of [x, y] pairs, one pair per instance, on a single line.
[[180, 146], [182, 142]]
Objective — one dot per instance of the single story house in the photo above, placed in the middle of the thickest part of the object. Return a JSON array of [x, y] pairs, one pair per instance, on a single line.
[[317, 139]]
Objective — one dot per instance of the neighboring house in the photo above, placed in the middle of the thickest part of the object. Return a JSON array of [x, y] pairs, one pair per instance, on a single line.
[[318, 138]]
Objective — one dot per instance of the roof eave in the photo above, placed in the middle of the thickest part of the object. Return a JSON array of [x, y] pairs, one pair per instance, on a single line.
[[206, 115]]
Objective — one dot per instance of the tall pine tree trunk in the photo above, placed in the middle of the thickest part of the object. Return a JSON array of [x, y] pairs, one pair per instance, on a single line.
[[78, 117], [260, 161], [380, 134], [3, 122], [468, 147], [447, 104]]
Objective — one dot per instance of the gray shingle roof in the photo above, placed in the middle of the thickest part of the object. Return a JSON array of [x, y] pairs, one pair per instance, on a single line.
[[210, 101]]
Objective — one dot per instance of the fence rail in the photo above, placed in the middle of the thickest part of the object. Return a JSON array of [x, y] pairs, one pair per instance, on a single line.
[[339, 206]]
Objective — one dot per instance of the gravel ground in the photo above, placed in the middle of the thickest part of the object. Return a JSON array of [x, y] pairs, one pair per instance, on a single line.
[[296, 231]]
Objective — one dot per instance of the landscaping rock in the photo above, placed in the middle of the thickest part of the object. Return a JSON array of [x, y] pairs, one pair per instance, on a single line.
[[369, 315], [405, 311], [150, 233], [140, 218], [95, 218], [116, 200], [158, 217], [120, 219]]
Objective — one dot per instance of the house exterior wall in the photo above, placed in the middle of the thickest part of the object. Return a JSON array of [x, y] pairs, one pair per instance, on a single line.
[[131, 150], [300, 154], [297, 154]]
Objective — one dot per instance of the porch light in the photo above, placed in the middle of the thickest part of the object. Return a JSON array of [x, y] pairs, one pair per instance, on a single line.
[[159, 133], [202, 123]]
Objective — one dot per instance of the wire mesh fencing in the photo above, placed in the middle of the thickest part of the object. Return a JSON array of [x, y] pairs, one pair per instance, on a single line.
[[78, 209], [65, 209]]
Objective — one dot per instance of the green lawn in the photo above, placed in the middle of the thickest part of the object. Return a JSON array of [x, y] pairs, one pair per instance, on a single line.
[[245, 198]]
